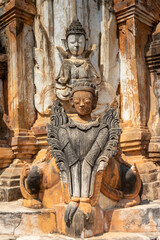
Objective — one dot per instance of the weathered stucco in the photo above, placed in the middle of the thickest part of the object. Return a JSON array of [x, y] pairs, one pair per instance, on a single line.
[[49, 28], [120, 30]]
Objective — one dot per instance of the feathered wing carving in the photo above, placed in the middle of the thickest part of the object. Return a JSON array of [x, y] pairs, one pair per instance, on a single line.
[[58, 118], [110, 119], [114, 131]]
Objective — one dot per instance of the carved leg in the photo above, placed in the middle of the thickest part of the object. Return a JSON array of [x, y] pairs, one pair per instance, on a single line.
[[70, 210], [85, 205], [74, 203], [76, 182], [86, 177]]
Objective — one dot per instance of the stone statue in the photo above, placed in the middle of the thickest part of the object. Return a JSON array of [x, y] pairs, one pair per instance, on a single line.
[[85, 160], [75, 61]]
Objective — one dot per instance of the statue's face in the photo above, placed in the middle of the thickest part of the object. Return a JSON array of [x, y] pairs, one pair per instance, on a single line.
[[83, 102], [76, 44]]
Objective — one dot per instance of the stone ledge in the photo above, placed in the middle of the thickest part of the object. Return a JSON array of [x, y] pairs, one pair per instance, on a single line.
[[142, 218], [105, 236], [138, 222]]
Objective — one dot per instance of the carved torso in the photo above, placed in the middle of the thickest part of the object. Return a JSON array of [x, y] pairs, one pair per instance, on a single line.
[[81, 138], [71, 71]]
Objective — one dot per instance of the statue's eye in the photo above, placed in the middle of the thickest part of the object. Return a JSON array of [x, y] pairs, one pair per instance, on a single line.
[[87, 101], [76, 101]]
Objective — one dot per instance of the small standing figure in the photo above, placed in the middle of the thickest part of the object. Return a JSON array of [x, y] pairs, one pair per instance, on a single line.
[[76, 64]]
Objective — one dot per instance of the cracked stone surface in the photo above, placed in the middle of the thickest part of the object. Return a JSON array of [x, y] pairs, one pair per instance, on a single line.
[[109, 236], [20, 223]]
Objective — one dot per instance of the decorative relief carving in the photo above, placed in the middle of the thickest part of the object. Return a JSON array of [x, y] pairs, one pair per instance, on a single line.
[[75, 61]]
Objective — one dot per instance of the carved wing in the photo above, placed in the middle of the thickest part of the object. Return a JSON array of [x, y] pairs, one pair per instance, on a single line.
[[58, 118], [114, 131], [62, 52]]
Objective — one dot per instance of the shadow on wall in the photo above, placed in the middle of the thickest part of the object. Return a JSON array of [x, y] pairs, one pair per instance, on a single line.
[[4, 131]]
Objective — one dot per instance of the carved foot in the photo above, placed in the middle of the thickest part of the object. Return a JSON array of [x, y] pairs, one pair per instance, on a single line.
[[32, 203], [70, 210], [85, 207], [124, 203]]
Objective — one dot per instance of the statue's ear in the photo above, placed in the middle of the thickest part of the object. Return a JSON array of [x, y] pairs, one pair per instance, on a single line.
[[71, 102], [64, 42]]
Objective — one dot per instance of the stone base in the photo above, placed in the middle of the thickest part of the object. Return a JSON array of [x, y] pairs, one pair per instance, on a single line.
[[150, 176], [8, 194], [154, 149], [105, 236], [9, 182], [18, 220], [138, 222]]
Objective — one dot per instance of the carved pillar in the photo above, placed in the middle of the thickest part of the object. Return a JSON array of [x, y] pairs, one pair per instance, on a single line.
[[135, 22], [16, 20], [18, 16], [153, 62]]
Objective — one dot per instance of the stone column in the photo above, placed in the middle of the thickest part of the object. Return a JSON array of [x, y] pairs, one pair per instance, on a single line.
[[135, 23], [16, 20], [153, 62], [18, 16]]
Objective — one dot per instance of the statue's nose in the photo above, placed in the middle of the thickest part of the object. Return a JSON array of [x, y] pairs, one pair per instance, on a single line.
[[76, 44], [81, 104]]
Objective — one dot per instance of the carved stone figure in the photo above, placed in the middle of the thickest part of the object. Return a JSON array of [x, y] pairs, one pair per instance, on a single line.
[[75, 61], [85, 152]]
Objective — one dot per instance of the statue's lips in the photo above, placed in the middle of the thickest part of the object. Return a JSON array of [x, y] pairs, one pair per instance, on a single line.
[[83, 110]]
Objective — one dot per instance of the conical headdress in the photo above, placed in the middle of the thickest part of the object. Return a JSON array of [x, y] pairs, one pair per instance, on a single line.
[[75, 28]]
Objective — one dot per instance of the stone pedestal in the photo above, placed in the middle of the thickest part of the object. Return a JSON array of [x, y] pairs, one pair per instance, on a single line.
[[9, 182], [136, 221]]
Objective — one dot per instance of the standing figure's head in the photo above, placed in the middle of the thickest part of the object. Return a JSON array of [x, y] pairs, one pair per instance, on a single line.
[[84, 97], [76, 38]]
